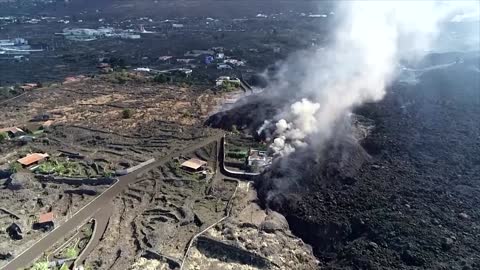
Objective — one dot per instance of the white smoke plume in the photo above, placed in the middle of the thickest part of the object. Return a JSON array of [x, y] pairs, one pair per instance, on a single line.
[[357, 66]]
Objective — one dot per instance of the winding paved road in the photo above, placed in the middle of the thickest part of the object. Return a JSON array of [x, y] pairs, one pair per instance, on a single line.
[[101, 218], [91, 209]]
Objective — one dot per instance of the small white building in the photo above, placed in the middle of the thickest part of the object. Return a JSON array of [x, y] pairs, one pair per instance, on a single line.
[[185, 71], [259, 159], [218, 49], [318, 15], [165, 58], [143, 69], [129, 36], [221, 79], [223, 66], [234, 62], [220, 55]]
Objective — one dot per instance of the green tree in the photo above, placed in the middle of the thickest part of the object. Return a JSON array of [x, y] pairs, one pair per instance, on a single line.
[[117, 63], [127, 113], [161, 78]]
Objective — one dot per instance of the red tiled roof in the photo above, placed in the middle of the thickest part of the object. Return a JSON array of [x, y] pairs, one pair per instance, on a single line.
[[32, 158], [47, 217]]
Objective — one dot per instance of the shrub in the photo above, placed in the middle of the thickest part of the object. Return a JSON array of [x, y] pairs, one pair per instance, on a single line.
[[107, 173], [40, 266], [237, 155], [127, 113], [120, 77], [3, 137], [15, 167], [235, 129], [4, 92], [161, 78], [71, 253], [230, 86], [59, 168], [118, 63]]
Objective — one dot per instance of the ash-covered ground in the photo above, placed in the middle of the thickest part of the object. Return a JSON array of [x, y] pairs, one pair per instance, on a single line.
[[412, 203], [405, 196]]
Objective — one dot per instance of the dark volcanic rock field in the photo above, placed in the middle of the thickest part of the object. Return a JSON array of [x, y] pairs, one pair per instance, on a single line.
[[413, 201]]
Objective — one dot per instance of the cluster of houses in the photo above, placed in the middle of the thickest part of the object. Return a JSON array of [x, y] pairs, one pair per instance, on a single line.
[[253, 160], [44, 221], [173, 71], [16, 46], [225, 62], [27, 132], [213, 56], [87, 34]]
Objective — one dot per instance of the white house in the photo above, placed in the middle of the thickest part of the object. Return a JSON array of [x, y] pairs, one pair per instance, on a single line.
[[221, 79], [143, 69], [234, 62], [259, 159], [223, 66]]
